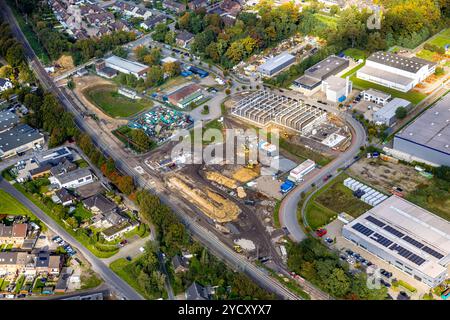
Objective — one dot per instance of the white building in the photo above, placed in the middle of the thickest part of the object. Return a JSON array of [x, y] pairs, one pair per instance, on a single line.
[[73, 179], [137, 69], [406, 236], [336, 88], [394, 71], [376, 96], [5, 84], [302, 170], [132, 94]]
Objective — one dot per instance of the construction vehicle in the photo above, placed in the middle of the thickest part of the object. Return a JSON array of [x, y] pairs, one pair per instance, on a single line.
[[250, 165], [237, 248]]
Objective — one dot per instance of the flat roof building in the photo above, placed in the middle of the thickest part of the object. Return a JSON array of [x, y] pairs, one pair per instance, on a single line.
[[186, 95], [395, 71], [336, 89], [19, 139], [7, 120], [386, 114], [314, 75], [373, 95], [53, 156], [276, 64], [407, 236], [137, 69], [428, 137]]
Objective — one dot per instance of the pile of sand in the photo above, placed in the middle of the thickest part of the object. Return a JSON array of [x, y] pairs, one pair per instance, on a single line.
[[221, 179], [245, 174], [241, 192]]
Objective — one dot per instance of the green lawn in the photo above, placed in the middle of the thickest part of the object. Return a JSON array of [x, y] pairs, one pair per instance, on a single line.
[[114, 104], [331, 200], [81, 213], [9, 205], [276, 214], [124, 269], [442, 39], [413, 96], [355, 53], [329, 20], [426, 54], [353, 71], [304, 153], [90, 280]]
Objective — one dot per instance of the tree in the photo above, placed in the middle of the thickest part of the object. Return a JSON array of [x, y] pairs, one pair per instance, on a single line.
[[160, 32], [155, 76], [172, 68], [71, 84], [120, 52], [141, 139], [401, 112], [140, 52]]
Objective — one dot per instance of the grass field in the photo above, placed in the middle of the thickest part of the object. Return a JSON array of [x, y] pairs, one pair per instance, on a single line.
[[124, 269], [9, 205], [304, 153], [331, 200], [427, 55], [355, 53], [114, 104], [330, 21], [353, 71], [413, 96], [442, 39]]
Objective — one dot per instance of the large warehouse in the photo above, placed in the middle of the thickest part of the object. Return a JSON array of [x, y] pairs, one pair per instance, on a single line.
[[428, 137], [310, 82], [412, 239], [19, 139], [265, 107], [394, 71], [137, 69], [386, 114], [275, 64]]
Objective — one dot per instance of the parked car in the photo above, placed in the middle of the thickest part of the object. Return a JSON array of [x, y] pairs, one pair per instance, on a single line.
[[128, 258], [329, 240], [321, 232]]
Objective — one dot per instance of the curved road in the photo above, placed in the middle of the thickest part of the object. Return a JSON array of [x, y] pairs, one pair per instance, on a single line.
[[288, 209]]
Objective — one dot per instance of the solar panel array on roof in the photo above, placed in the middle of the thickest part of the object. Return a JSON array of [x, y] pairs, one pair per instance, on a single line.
[[381, 240], [394, 231], [362, 229], [432, 252], [375, 221], [416, 259], [413, 242]]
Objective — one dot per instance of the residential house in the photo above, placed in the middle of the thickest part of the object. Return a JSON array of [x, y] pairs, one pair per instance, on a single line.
[[180, 264], [65, 166], [153, 21], [48, 264], [64, 197], [41, 171], [131, 10], [14, 234], [73, 179], [12, 263], [197, 292], [5, 84], [197, 4], [106, 212], [116, 231], [183, 39], [174, 6]]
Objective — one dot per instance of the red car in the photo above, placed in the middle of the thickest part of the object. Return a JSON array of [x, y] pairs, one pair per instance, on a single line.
[[321, 232]]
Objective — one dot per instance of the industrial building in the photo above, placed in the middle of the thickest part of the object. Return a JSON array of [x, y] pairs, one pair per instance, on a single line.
[[137, 69], [19, 139], [276, 64], [310, 82], [376, 96], [301, 170], [186, 95], [408, 237], [428, 137], [386, 114], [264, 107], [7, 120], [394, 71], [337, 89]]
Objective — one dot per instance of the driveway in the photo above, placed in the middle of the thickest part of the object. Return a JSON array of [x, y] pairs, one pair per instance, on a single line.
[[131, 249]]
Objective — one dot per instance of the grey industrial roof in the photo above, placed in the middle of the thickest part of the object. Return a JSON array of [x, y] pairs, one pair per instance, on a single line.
[[7, 120], [432, 128], [322, 68], [382, 74], [413, 64], [388, 111], [377, 93], [53, 154], [276, 61], [17, 137], [308, 81], [402, 223], [132, 66], [74, 175]]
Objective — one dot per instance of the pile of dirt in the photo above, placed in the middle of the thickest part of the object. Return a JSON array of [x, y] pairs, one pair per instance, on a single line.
[[64, 63], [212, 204], [221, 179], [245, 174]]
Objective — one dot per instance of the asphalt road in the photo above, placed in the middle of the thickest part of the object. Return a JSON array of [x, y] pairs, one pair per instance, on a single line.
[[202, 234], [288, 209], [115, 282]]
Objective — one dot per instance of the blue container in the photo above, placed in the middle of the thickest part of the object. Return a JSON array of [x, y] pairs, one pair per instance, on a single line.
[[287, 186]]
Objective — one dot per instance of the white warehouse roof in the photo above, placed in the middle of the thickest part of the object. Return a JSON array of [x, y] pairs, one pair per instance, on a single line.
[[388, 111], [132, 66], [276, 61]]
